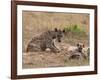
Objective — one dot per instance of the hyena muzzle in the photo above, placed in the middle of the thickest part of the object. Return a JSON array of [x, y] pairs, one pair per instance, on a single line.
[[45, 40]]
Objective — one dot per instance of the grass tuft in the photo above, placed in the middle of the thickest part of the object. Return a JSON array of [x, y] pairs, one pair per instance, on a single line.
[[75, 30]]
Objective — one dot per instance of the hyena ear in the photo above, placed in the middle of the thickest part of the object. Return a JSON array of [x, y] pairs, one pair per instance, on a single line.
[[78, 45], [56, 29], [83, 45], [63, 31]]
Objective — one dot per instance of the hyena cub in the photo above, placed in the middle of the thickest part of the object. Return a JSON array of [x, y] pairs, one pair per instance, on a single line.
[[45, 40], [76, 51]]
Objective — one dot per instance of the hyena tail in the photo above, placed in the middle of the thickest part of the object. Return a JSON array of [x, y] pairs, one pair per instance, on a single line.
[[26, 49]]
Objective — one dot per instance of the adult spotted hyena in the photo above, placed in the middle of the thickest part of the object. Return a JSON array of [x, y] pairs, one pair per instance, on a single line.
[[45, 40]]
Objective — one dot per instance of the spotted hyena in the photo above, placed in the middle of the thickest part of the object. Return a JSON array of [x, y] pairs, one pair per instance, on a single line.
[[77, 51], [45, 41]]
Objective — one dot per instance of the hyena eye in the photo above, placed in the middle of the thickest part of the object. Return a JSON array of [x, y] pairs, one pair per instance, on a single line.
[[53, 37]]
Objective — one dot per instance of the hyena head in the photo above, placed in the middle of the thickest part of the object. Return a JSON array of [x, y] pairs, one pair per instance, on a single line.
[[80, 46], [59, 34]]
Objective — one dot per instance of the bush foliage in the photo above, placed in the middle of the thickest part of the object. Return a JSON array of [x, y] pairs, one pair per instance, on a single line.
[[75, 29]]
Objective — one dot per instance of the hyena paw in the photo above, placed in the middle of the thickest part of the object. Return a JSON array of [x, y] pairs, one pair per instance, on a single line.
[[56, 51]]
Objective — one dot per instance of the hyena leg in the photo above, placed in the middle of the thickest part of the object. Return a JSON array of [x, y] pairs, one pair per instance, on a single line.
[[32, 47], [55, 46], [52, 48], [43, 47]]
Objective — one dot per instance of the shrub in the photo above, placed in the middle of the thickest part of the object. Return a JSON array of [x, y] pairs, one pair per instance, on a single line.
[[75, 29]]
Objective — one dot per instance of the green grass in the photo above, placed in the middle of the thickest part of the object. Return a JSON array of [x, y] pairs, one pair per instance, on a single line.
[[75, 29]]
